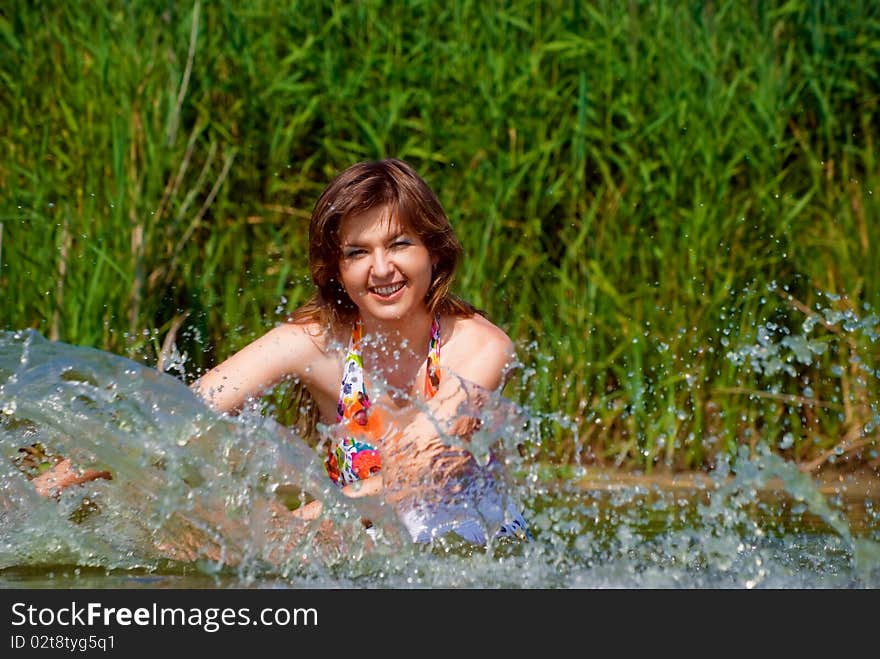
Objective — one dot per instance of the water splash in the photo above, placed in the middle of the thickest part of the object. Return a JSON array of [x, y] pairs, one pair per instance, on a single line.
[[739, 493], [195, 495], [189, 488]]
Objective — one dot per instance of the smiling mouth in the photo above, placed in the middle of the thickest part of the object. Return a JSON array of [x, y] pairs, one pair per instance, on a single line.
[[387, 291]]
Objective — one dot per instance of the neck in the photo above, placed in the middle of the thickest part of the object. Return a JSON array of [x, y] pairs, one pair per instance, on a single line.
[[413, 331], [395, 351]]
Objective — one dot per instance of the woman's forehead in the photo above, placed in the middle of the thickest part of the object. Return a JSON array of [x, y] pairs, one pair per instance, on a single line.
[[375, 222]]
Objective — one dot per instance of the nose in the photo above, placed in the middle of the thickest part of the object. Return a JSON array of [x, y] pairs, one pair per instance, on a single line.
[[382, 265]]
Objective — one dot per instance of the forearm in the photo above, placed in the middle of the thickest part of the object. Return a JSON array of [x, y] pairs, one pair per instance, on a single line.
[[221, 392], [228, 386]]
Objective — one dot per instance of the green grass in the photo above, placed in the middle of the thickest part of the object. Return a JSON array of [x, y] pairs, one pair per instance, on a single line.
[[644, 191]]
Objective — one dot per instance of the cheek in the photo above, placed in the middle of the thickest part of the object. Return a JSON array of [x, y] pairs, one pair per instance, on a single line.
[[419, 265], [347, 277], [427, 270]]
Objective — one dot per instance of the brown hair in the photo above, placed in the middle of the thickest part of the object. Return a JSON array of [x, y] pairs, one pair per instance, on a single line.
[[358, 189]]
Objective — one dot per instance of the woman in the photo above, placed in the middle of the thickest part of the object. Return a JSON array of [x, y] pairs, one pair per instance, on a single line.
[[386, 357]]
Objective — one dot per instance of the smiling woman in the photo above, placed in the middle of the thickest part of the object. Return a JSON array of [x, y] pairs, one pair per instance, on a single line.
[[365, 357], [394, 372]]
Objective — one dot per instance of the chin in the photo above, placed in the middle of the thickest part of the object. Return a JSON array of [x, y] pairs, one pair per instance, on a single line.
[[385, 314], [392, 312]]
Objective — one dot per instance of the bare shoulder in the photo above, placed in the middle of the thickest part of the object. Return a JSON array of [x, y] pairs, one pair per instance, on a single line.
[[310, 332], [478, 332], [478, 350], [286, 339]]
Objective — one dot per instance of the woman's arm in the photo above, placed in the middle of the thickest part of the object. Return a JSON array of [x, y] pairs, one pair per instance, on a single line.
[[477, 366], [435, 436], [285, 351], [479, 353]]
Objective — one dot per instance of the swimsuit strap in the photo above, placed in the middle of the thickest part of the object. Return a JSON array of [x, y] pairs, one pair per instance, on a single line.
[[353, 392], [351, 459], [432, 366]]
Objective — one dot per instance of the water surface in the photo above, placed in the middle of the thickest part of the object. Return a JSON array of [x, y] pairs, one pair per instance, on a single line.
[[194, 503]]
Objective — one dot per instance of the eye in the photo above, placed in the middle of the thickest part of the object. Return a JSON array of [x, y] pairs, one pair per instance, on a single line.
[[402, 242], [352, 252]]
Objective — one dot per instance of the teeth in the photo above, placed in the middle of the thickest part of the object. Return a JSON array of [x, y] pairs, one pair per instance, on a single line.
[[387, 290]]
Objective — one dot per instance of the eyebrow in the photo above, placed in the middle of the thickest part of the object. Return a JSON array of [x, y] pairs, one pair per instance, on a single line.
[[400, 234]]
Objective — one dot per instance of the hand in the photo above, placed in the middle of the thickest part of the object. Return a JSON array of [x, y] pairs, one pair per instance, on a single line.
[[465, 426], [365, 487], [63, 475], [309, 512]]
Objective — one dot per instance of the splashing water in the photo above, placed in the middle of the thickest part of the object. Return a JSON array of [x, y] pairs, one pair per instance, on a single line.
[[195, 496]]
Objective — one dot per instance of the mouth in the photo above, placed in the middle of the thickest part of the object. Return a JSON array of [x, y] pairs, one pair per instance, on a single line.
[[387, 290]]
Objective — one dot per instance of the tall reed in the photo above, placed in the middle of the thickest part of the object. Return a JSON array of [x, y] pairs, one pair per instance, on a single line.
[[670, 206]]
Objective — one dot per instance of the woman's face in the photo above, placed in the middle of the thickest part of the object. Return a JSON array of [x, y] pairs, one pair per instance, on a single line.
[[385, 267]]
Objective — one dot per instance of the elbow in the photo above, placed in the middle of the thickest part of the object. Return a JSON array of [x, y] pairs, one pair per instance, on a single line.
[[212, 396]]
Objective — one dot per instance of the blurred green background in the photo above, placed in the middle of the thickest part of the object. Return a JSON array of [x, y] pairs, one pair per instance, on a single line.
[[670, 206]]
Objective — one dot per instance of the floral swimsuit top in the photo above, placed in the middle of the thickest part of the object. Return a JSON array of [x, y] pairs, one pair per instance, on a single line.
[[353, 457]]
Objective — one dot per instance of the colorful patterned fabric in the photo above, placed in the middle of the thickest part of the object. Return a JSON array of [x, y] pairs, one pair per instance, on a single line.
[[355, 457]]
